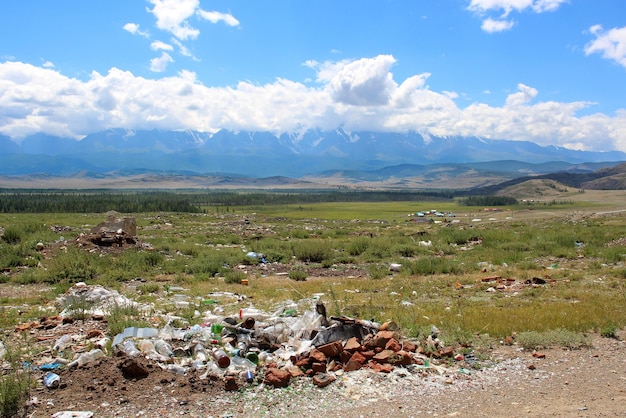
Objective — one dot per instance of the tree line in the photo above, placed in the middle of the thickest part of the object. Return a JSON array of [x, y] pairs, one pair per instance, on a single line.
[[100, 201]]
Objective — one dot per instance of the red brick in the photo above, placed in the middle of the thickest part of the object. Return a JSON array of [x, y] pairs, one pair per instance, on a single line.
[[277, 378], [384, 356], [331, 349], [352, 344], [409, 346], [393, 345], [323, 379], [319, 367], [317, 356]]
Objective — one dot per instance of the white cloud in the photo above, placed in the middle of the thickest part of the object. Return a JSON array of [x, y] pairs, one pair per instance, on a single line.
[[172, 16], [158, 45], [490, 25], [611, 44], [48, 64], [524, 96], [363, 82], [503, 9], [358, 95], [183, 50], [215, 17], [159, 64], [507, 6], [134, 29]]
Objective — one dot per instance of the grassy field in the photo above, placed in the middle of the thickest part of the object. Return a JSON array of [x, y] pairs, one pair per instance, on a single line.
[[554, 264]]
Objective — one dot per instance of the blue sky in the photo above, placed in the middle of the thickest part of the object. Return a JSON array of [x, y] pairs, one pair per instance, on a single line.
[[549, 71]]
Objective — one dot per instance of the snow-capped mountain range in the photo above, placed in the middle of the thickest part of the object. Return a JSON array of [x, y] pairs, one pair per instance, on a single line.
[[259, 154]]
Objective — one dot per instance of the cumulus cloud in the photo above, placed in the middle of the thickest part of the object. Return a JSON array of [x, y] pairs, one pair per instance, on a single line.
[[492, 25], [358, 95], [172, 15], [365, 82], [159, 45], [159, 64], [134, 29], [610, 44], [215, 17], [503, 9]]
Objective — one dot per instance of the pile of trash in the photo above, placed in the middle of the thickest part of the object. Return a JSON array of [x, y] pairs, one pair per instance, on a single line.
[[94, 300], [253, 346]]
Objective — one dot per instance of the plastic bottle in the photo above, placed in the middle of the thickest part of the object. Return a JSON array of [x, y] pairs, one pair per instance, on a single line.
[[175, 368], [200, 357], [163, 348], [146, 346], [62, 343], [3, 350], [51, 380], [128, 347], [87, 357], [199, 352], [221, 358], [242, 364]]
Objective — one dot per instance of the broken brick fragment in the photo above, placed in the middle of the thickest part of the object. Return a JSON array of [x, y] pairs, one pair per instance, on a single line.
[[295, 371], [277, 378], [303, 362], [345, 356], [401, 358], [351, 366], [359, 358], [317, 356], [409, 346], [323, 379], [331, 349], [318, 367], [384, 356], [446, 352], [352, 344], [380, 368], [393, 345]]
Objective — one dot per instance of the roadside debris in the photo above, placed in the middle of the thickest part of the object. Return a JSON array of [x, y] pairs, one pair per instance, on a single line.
[[240, 346]]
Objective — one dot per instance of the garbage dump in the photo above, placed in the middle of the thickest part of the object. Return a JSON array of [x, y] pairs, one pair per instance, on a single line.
[[245, 345]]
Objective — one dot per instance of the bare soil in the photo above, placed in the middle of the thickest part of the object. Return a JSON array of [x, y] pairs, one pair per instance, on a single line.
[[588, 382]]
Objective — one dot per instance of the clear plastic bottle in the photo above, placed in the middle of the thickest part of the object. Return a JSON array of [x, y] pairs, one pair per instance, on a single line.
[[62, 343], [87, 357], [128, 347], [163, 348]]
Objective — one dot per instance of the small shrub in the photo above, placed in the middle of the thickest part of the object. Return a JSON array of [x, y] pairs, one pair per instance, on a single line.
[[149, 288], [123, 316], [234, 277], [377, 271], [533, 340], [14, 386], [298, 274], [12, 235], [79, 307], [609, 330], [311, 251], [405, 250], [358, 246], [153, 258], [73, 266]]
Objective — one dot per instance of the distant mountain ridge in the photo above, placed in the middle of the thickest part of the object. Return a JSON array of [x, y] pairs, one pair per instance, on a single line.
[[262, 154]]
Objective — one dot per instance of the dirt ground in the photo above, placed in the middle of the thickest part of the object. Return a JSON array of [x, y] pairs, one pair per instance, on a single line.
[[566, 383]]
